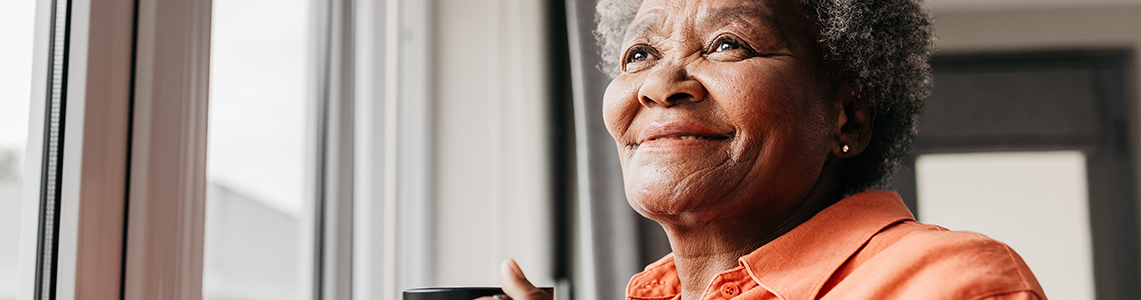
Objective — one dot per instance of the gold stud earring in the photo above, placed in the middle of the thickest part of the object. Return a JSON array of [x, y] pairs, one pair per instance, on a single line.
[[844, 149]]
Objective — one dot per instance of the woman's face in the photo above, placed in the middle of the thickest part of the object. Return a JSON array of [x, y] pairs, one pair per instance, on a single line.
[[722, 108]]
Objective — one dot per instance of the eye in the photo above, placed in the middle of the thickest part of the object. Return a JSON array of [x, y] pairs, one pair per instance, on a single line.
[[637, 57], [637, 53], [727, 48], [726, 45]]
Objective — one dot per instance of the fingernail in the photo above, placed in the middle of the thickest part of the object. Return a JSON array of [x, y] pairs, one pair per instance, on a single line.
[[515, 267], [505, 267]]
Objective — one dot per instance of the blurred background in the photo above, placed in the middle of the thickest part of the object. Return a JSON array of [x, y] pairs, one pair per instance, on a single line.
[[423, 142]]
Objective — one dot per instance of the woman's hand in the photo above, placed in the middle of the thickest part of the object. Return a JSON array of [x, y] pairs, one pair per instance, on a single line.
[[516, 285]]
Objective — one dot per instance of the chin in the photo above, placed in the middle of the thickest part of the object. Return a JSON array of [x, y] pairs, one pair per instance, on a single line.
[[659, 202]]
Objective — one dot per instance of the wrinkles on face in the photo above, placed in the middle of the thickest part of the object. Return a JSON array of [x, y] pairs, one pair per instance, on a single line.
[[620, 114], [689, 184], [737, 88]]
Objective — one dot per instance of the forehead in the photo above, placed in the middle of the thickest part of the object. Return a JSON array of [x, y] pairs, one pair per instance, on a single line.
[[654, 14], [703, 7]]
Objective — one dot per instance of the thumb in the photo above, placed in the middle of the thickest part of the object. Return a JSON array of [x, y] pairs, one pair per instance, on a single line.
[[516, 285]]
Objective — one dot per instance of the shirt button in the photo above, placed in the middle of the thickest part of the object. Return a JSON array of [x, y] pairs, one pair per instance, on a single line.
[[730, 290]]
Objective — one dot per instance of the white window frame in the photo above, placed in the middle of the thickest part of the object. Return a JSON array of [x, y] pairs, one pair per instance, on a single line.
[[93, 187], [392, 225], [331, 214]]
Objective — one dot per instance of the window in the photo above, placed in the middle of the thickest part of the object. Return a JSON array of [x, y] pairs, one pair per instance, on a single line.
[[15, 86], [259, 201], [214, 148], [1014, 145], [1036, 202]]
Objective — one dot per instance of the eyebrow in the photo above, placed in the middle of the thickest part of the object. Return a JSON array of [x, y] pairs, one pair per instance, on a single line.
[[747, 14], [750, 16]]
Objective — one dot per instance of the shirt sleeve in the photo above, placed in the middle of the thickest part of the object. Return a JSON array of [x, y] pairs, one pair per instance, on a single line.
[[1023, 295]]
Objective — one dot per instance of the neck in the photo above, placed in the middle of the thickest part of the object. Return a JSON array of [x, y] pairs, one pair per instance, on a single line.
[[704, 249]]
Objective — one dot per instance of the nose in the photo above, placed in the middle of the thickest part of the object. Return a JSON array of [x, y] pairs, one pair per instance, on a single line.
[[669, 85]]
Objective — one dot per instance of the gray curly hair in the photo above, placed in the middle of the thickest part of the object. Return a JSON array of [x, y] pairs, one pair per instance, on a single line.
[[882, 46]]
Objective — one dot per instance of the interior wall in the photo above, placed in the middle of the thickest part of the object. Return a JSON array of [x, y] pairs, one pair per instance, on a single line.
[[1109, 27]]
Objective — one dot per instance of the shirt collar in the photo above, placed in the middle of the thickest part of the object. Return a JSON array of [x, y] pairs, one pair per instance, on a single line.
[[797, 264], [658, 281]]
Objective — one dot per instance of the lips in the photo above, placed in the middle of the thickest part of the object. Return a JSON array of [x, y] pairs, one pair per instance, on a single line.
[[680, 131]]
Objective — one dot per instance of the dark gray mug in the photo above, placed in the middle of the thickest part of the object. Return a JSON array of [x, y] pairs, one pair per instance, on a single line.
[[456, 293]]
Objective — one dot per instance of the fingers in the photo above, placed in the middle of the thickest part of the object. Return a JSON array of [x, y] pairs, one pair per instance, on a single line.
[[516, 285], [513, 280]]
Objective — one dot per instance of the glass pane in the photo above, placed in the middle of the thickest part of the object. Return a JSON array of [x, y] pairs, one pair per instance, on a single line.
[[256, 204], [16, 28], [1036, 202]]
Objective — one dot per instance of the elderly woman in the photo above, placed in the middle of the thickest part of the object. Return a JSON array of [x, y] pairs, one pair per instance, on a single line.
[[755, 133]]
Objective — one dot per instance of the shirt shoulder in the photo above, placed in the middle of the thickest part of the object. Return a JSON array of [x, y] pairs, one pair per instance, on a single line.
[[910, 260], [1013, 296]]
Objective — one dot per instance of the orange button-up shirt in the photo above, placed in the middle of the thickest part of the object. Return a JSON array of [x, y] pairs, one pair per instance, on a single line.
[[867, 246]]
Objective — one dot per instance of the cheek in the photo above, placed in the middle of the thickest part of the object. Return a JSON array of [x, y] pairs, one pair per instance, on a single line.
[[749, 96], [761, 96], [780, 116], [619, 106]]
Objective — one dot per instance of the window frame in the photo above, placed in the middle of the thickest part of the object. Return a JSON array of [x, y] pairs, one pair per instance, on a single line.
[[392, 190], [332, 140], [92, 184]]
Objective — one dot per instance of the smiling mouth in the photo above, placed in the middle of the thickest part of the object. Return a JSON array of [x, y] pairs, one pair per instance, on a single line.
[[680, 133], [684, 138], [690, 137]]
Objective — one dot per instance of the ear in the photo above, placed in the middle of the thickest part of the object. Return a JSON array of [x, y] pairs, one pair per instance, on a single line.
[[855, 120]]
